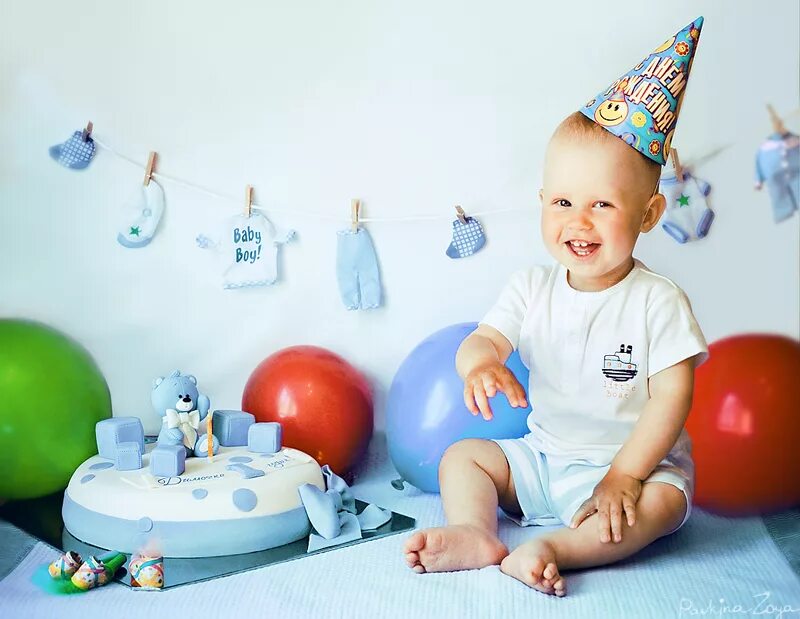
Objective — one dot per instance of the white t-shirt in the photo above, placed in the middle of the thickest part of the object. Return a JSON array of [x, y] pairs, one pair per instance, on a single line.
[[590, 354]]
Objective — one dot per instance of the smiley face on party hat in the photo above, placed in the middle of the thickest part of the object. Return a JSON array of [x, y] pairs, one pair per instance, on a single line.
[[641, 107]]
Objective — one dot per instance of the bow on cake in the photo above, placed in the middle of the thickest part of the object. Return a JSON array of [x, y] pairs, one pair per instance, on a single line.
[[187, 423]]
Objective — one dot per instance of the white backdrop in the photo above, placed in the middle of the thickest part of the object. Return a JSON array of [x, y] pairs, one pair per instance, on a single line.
[[411, 106]]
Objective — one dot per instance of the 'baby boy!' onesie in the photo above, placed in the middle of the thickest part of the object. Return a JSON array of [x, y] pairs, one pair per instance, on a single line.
[[250, 248]]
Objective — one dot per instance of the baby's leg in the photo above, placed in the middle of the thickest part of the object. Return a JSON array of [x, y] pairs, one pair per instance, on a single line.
[[473, 476], [660, 509]]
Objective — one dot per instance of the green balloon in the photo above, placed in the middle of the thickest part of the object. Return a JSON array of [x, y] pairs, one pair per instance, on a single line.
[[51, 396]]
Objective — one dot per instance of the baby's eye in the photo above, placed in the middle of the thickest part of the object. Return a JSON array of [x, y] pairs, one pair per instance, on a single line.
[[602, 204], [563, 202]]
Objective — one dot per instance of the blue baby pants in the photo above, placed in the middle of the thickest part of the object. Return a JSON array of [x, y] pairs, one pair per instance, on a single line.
[[551, 489], [357, 270]]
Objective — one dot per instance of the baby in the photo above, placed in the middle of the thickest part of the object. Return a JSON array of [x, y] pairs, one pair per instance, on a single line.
[[611, 348]]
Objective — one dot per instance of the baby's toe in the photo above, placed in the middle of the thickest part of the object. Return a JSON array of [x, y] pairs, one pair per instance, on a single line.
[[560, 587], [532, 573], [550, 571], [537, 568], [415, 542]]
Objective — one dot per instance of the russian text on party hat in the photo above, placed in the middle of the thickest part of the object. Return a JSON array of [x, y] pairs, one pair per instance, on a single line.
[[641, 107]]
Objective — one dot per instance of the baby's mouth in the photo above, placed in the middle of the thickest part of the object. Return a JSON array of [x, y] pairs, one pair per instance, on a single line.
[[582, 249]]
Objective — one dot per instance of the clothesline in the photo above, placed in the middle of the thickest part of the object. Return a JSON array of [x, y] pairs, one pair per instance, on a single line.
[[228, 198], [446, 217]]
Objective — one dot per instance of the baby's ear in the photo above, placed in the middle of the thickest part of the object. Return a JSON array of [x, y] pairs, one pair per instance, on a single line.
[[653, 211], [541, 197]]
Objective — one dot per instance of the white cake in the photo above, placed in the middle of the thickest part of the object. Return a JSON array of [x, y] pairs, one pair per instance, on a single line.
[[209, 510]]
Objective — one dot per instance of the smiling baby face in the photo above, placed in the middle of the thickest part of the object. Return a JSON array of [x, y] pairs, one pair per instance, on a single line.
[[597, 196]]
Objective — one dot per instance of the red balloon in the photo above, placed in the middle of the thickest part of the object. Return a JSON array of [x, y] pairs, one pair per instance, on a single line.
[[323, 404], [745, 426]]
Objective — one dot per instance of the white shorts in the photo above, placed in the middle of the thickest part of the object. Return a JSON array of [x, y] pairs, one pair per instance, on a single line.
[[551, 489]]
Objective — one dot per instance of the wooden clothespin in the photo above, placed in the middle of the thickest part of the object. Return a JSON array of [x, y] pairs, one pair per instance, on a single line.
[[676, 163], [248, 201], [777, 122], [355, 208], [87, 132], [462, 216], [148, 171]]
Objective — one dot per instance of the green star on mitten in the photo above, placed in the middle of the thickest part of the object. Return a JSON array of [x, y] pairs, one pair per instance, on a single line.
[[141, 216]]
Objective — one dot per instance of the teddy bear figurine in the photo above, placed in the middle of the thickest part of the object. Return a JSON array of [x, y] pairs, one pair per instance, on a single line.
[[182, 409]]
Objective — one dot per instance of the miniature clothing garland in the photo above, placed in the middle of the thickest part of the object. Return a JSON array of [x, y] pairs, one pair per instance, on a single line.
[[778, 165], [687, 216], [250, 248]]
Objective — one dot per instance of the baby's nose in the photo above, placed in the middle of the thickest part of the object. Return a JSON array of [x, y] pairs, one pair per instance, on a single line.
[[581, 221]]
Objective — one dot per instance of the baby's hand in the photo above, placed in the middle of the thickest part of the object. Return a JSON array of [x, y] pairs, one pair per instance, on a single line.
[[484, 382], [615, 495]]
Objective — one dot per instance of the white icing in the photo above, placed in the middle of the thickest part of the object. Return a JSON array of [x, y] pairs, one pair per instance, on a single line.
[[137, 494]]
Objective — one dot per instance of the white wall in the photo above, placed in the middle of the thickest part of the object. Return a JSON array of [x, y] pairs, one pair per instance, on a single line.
[[411, 106]]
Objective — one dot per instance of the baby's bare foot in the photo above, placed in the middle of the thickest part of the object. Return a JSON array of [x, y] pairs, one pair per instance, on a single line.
[[457, 547], [534, 563]]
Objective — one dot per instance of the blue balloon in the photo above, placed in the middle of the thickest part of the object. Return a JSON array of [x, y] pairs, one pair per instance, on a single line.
[[426, 411]]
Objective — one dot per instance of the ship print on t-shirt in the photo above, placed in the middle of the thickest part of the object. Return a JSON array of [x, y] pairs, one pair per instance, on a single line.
[[618, 369], [619, 366]]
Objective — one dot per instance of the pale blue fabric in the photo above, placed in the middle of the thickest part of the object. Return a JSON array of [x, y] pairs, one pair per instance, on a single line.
[[357, 270], [550, 490]]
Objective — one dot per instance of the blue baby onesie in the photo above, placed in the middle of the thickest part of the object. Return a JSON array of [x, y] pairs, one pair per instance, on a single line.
[[687, 216], [778, 164]]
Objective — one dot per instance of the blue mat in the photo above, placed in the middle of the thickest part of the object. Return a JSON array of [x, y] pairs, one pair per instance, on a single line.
[[712, 567]]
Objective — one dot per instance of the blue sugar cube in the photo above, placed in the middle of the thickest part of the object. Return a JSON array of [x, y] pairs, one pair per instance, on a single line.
[[112, 432], [231, 427], [168, 460], [264, 437], [129, 456]]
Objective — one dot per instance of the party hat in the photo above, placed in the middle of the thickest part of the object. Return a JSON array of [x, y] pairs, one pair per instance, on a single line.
[[642, 106]]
